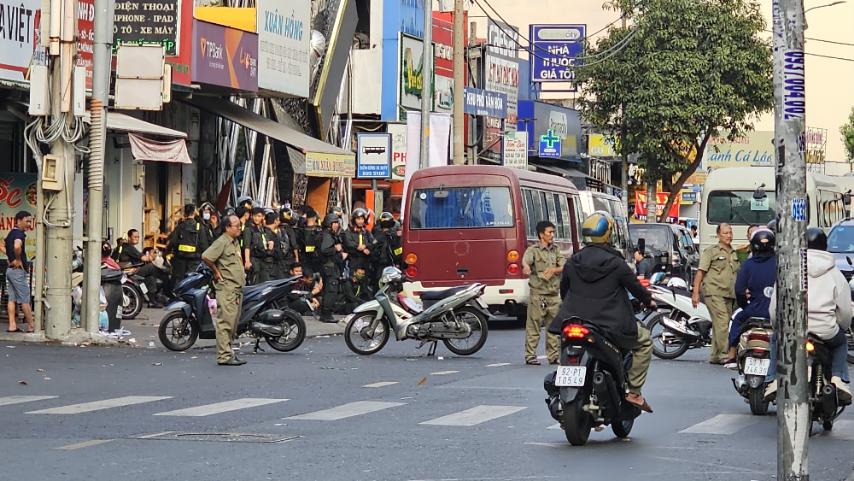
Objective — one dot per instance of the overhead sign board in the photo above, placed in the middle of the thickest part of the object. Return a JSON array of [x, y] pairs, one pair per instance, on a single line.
[[284, 30], [556, 49], [373, 156], [485, 103], [147, 22], [549, 145]]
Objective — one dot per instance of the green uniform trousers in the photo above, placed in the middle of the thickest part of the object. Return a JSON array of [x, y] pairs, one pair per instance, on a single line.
[[720, 308], [641, 357], [541, 311], [229, 301]]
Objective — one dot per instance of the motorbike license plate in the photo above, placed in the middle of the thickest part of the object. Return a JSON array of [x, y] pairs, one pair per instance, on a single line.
[[756, 367], [143, 288], [570, 376]]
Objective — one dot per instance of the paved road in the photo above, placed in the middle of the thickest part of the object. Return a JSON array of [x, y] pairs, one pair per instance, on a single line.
[[95, 413]]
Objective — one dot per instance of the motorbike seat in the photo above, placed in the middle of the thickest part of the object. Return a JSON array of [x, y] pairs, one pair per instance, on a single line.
[[680, 291], [441, 294]]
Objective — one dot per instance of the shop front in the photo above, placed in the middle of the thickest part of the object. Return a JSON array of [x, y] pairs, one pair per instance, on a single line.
[[553, 140]]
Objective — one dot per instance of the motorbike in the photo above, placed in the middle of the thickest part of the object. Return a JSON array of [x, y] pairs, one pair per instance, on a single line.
[[189, 316], [455, 316], [825, 405], [135, 294], [849, 335], [754, 359], [588, 388], [676, 325]]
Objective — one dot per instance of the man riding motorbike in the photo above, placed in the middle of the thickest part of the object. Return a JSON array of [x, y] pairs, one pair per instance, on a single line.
[[593, 287]]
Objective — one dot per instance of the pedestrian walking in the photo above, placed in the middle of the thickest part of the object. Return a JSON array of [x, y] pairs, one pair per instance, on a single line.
[[223, 257], [17, 274], [716, 276], [542, 263]]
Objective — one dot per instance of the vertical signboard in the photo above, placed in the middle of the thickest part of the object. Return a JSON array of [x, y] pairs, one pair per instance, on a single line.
[[373, 155], [443, 65], [284, 32], [555, 48], [398, 150], [516, 150], [411, 72], [85, 36], [502, 75], [18, 23]]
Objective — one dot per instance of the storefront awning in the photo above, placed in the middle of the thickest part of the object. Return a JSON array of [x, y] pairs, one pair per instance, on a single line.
[[118, 122], [563, 171], [313, 156]]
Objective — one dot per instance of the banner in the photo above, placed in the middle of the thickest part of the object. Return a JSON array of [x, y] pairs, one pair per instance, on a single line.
[[398, 150], [485, 103], [660, 200], [225, 56], [411, 72], [284, 30], [440, 136], [17, 193], [18, 23], [516, 150]]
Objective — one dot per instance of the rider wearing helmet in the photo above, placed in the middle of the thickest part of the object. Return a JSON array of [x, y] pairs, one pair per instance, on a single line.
[[829, 312], [756, 276], [593, 286], [358, 241]]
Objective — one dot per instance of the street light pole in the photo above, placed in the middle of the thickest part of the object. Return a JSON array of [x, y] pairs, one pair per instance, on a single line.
[[793, 416]]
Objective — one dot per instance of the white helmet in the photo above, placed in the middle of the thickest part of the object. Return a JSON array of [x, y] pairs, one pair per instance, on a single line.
[[677, 283], [390, 274]]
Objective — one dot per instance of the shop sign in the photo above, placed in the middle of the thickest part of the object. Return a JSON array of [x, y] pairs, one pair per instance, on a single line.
[[147, 22], [284, 32], [329, 165], [688, 197], [443, 63], [515, 153], [398, 150], [17, 193], [18, 24], [549, 145], [555, 50], [598, 145], [225, 56], [660, 200], [752, 149], [373, 155], [411, 72], [485, 103], [815, 143], [540, 118]]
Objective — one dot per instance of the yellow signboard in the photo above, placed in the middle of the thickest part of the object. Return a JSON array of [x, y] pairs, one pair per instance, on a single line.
[[599, 145], [753, 149]]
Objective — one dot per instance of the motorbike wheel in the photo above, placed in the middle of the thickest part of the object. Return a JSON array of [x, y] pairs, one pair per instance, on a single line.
[[359, 343], [623, 428], [294, 333], [477, 321], [131, 301], [659, 347], [756, 398], [176, 332], [576, 423]]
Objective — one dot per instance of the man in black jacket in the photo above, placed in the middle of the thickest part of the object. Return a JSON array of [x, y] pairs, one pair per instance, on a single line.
[[593, 287], [332, 257]]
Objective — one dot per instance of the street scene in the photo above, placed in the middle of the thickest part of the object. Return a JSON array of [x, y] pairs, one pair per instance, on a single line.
[[412, 240]]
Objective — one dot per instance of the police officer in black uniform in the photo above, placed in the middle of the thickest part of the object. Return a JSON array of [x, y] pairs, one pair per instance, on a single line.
[[387, 248], [291, 248], [210, 222], [332, 258], [358, 242], [186, 244], [257, 249], [309, 242]]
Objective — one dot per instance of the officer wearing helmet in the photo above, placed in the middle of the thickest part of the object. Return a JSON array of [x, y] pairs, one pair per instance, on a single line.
[[210, 222], [332, 257], [308, 238], [387, 247], [593, 286], [288, 235], [753, 285], [358, 241], [257, 249], [186, 244]]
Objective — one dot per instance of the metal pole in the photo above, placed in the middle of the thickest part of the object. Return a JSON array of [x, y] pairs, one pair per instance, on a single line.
[[625, 163], [459, 84], [427, 83], [102, 56], [793, 416]]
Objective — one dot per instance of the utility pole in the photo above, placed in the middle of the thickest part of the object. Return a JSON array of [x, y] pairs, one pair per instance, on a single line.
[[62, 50], [625, 155], [459, 84], [427, 85], [101, 58], [793, 413]]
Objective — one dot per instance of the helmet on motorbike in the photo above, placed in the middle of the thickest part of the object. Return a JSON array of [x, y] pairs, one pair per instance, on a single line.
[[389, 275], [597, 227], [763, 242], [677, 283], [816, 239], [386, 220], [360, 212]]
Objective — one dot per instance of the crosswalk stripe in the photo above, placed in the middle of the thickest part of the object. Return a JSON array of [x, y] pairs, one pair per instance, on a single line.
[[443, 373], [346, 411], [723, 424], [8, 400], [99, 405], [474, 416], [381, 384], [221, 407], [84, 444], [498, 364]]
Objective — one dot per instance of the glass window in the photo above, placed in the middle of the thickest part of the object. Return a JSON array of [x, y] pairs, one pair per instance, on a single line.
[[740, 208], [530, 223], [841, 239], [563, 223], [657, 238], [461, 207]]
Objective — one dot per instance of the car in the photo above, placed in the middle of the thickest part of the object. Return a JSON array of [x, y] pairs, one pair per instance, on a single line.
[[840, 243], [669, 245]]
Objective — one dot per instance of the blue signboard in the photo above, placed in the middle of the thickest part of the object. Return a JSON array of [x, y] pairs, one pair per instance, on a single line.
[[485, 103], [550, 145], [555, 50], [373, 155]]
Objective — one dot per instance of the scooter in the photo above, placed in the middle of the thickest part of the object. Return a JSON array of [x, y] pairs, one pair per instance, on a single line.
[[676, 325], [190, 315], [455, 316], [754, 359], [825, 405]]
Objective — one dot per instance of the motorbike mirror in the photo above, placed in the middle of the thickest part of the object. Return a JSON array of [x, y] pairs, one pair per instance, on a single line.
[[848, 258]]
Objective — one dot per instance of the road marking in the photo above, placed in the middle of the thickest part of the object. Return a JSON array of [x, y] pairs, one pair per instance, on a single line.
[[723, 424], [346, 411], [498, 364], [381, 384], [222, 407], [8, 400], [443, 373], [554, 426], [474, 416], [99, 405], [548, 445], [84, 444]]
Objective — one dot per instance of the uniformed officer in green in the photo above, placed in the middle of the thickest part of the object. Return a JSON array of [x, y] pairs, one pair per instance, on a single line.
[[223, 257], [543, 264], [716, 276]]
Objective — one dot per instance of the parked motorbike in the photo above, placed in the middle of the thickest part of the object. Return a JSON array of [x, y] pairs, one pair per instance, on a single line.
[[676, 325], [455, 316], [135, 294], [588, 388], [189, 316], [754, 359]]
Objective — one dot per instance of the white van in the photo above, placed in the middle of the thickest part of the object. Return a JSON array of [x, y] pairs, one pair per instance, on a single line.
[[743, 196]]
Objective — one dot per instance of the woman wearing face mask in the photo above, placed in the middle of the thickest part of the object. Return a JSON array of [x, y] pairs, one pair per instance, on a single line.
[[210, 219]]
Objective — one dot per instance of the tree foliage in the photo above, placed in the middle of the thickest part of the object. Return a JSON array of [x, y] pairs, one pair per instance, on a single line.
[[688, 69], [847, 132]]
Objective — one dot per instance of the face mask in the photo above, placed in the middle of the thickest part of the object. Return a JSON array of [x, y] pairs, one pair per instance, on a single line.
[[206, 216], [357, 276]]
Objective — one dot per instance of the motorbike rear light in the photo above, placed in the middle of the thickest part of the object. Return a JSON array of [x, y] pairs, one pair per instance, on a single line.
[[513, 256], [410, 259], [758, 336], [513, 269], [411, 272], [810, 346], [575, 331]]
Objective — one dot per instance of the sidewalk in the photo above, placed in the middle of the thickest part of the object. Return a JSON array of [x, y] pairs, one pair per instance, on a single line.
[[144, 331]]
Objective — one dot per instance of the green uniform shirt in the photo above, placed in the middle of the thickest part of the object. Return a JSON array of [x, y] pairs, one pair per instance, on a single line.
[[539, 259], [720, 266], [225, 254]]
